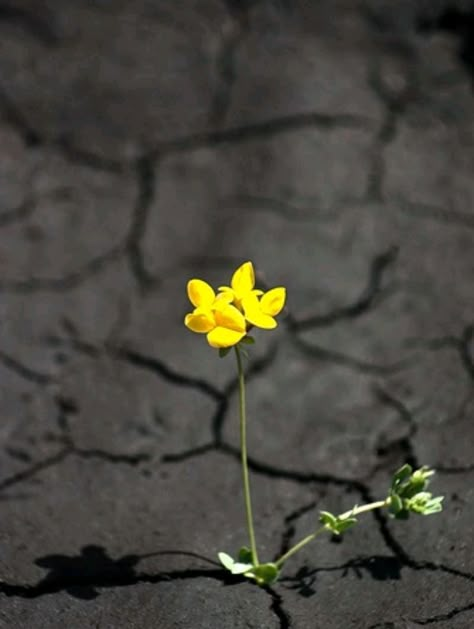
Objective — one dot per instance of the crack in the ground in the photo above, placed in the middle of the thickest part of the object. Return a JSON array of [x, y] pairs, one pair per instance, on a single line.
[[110, 578], [416, 209], [78, 155], [65, 408], [34, 469], [40, 29], [260, 130], [395, 105], [156, 366], [401, 554], [15, 118], [371, 296], [402, 444], [278, 609], [233, 32], [461, 344], [442, 617], [257, 366], [67, 282], [378, 567], [129, 246], [69, 449], [289, 527], [146, 177], [32, 375], [350, 362], [23, 211], [160, 369], [284, 209], [263, 468], [32, 138]]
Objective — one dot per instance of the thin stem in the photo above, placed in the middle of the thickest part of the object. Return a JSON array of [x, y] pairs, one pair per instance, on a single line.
[[294, 549], [347, 514], [243, 456]]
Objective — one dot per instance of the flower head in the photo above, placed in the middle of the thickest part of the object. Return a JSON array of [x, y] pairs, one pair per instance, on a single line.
[[227, 316], [214, 315]]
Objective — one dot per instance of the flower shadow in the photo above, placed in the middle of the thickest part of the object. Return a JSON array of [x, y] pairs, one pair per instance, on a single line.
[[83, 575]]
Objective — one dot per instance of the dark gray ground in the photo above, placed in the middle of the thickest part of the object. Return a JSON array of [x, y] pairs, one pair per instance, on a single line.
[[147, 142]]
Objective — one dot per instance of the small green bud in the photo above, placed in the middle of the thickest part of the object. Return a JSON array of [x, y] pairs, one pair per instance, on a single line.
[[245, 555], [424, 503]]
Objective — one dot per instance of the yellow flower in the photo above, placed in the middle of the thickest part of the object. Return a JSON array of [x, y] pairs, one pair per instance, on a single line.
[[227, 316], [224, 325], [241, 285], [241, 292], [261, 312]]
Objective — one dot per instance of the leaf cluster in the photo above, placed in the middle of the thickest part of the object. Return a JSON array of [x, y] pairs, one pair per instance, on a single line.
[[408, 493]]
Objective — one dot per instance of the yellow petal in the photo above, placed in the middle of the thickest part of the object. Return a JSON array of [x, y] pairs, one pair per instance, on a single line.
[[243, 279], [255, 315], [200, 293], [200, 321], [228, 316], [273, 301], [226, 296], [223, 337]]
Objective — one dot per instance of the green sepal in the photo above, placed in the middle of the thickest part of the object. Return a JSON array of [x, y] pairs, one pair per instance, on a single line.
[[223, 351], [248, 340]]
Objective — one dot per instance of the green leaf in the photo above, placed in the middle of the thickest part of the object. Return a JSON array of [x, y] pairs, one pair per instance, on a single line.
[[400, 475], [266, 573], [223, 351], [241, 568], [226, 560], [343, 525], [334, 523], [245, 555]]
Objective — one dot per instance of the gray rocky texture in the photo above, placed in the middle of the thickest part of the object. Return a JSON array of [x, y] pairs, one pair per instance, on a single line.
[[143, 144]]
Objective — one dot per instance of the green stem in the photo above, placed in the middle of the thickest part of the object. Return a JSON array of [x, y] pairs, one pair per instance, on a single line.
[[347, 514], [243, 455]]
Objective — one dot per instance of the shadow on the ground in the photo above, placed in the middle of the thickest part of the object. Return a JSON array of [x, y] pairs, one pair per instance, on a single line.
[[378, 567], [81, 575]]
